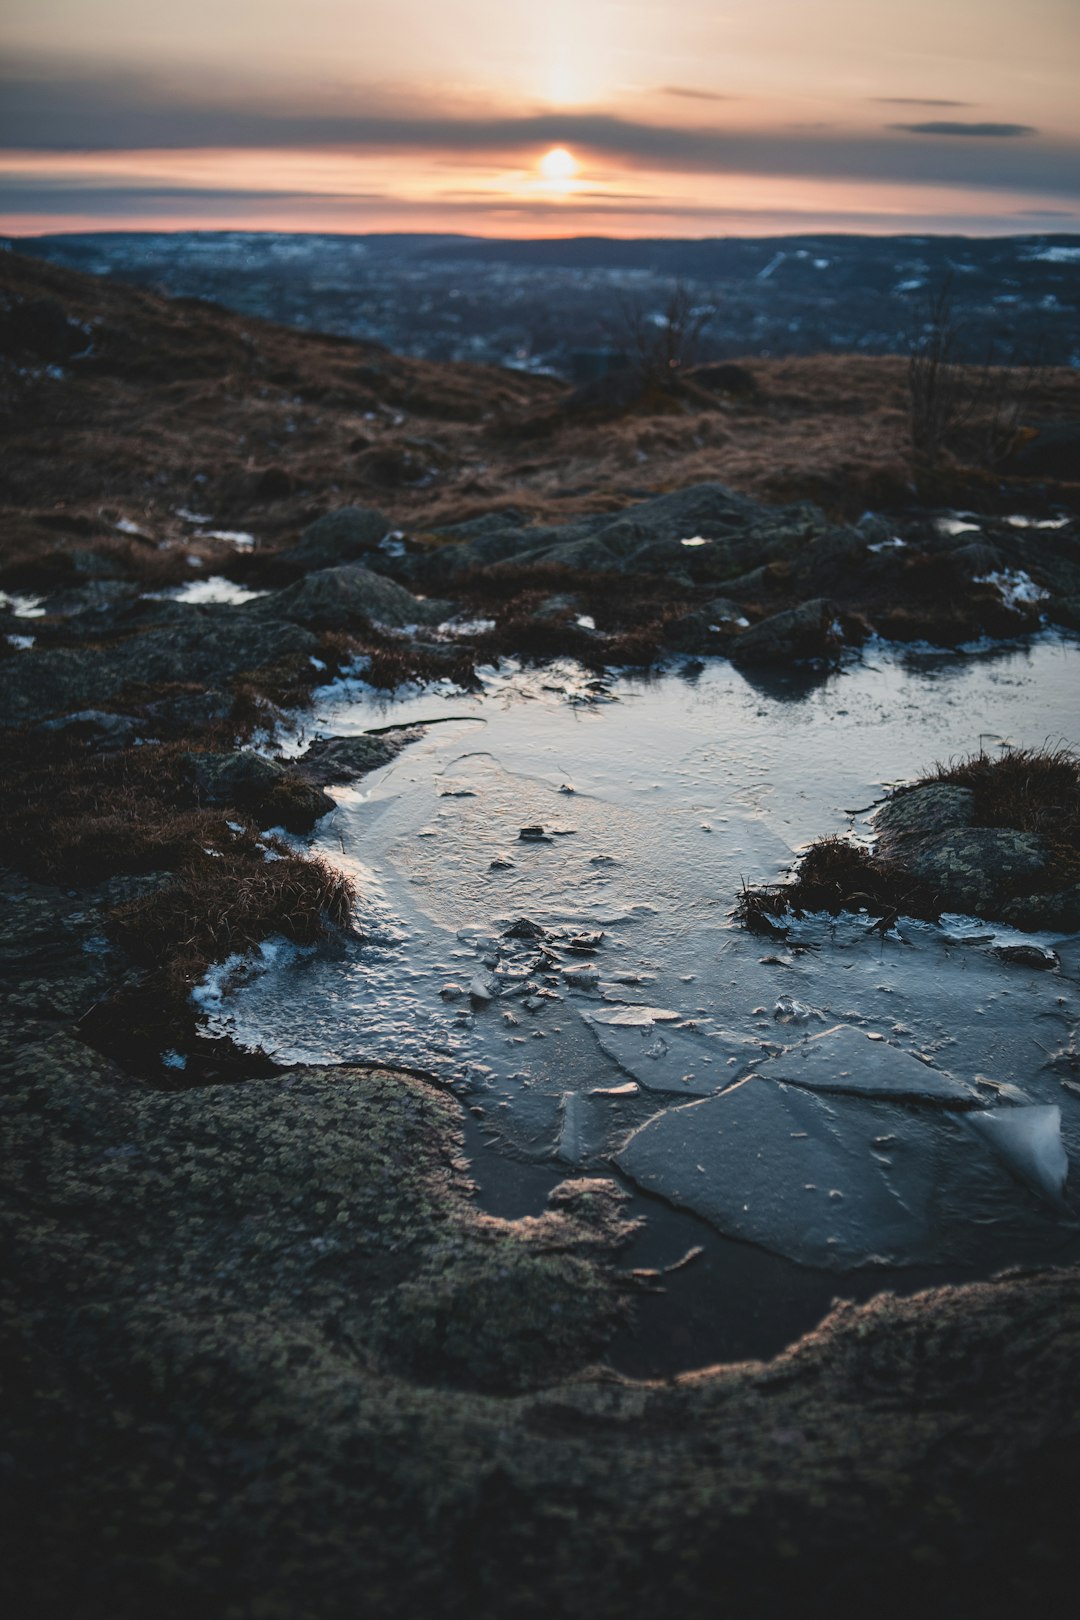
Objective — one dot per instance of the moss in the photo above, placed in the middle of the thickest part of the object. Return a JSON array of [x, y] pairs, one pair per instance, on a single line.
[[209, 1413]]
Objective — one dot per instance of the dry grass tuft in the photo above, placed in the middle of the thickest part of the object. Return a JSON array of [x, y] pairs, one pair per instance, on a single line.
[[71, 814], [836, 875], [217, 907], [1035, 790]]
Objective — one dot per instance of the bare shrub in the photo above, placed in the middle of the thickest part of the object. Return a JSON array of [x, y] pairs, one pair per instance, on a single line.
[[666, 342], [971, 408]]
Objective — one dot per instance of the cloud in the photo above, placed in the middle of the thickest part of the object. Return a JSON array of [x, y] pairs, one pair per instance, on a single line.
[[113, 112], [694, 95], [946, 127], [917, 101]]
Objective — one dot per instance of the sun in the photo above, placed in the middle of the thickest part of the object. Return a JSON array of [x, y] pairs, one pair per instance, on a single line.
[[559, 166]]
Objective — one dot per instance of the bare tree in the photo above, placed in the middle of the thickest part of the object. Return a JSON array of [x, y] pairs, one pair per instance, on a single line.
[[973, 406], [939, 394], [664, 343]]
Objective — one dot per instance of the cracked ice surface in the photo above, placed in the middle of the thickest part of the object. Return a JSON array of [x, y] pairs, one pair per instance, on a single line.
[[847, 1059], [668, 1060], [835, 1182]]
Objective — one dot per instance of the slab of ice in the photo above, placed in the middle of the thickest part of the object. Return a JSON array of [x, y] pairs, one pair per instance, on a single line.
[[847, 1059], [1029, 1141], [671, 1060], [633, 1017], [832, 1181], [572, 1113]]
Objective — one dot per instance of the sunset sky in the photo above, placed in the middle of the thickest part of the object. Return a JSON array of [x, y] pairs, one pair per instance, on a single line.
[[698, 118]]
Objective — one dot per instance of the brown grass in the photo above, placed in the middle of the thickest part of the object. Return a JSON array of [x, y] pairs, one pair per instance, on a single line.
[[1034, 789], [216, 907], [178, 390], [836, 875], [71, 814]]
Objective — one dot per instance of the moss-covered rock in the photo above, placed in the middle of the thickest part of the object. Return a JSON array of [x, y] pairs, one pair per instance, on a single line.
[[256, 1360]]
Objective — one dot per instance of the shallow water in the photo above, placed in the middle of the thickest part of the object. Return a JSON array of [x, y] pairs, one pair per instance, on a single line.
[[657, 799]]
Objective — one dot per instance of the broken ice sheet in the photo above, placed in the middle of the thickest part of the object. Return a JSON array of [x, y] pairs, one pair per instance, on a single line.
[[835, 1181], [1029, 1141], [846, 1059], [669, 1060], [633, 1016]]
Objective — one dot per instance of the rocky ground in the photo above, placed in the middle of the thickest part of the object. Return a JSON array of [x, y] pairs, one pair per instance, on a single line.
[[266, 1355]]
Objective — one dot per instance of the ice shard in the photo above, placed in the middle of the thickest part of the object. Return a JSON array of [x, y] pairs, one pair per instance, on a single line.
[[847, 1059], [1029, 1141], [674, 1060]]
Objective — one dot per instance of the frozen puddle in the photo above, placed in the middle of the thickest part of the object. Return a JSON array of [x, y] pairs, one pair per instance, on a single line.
[[546, 879]]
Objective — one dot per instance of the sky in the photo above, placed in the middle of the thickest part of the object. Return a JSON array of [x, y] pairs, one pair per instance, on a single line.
[[541, 117]]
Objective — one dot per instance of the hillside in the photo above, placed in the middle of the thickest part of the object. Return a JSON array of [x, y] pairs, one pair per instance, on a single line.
[[118, 407]]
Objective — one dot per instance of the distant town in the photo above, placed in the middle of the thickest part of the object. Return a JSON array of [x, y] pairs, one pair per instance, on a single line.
[[577, 307]]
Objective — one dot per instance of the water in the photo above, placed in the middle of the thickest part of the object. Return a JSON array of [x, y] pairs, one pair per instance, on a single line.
[[649, 1048]]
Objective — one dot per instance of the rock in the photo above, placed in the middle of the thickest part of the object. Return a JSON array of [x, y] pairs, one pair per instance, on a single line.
[[342, 598], [743, 534], [725, 614], [96, 599], [1032, 956], [343, 759], [101, 729], [533, 835], [783, 638], [923, 812], [210, 646], [1059, 911], [263, 787], [1064, 610], [974, 869], [337, 537], [557, 607], [524, 929], [691, 633], [845, 1059], [1049, 450]]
